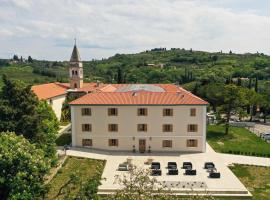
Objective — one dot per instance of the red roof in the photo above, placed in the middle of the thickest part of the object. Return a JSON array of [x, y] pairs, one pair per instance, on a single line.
[[49, 90], [182, 97], [122, 94]]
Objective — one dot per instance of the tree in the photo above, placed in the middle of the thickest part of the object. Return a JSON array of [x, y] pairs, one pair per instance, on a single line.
[[23, 167], [138, 184], [47, 130], [234, 100], [15, 57], [265, 102], [120, 76], [30, 60], [65, 113], [213, 93], [22, 113]]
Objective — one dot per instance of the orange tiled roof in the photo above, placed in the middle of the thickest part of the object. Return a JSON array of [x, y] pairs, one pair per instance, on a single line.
[[182, 97], [49, 90]]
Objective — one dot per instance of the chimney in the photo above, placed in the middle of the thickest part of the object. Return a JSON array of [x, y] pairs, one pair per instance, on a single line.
[[98, 83]]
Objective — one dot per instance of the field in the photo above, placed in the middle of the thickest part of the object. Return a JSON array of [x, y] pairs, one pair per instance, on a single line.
[[25, 74], [82, 168], [238, 141]]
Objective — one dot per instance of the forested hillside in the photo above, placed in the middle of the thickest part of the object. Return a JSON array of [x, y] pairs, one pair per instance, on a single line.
[[186, 67]]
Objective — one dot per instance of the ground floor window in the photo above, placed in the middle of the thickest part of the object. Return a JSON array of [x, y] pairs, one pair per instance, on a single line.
[[167, 143], [87, 142], [192, 143], [113, 142]]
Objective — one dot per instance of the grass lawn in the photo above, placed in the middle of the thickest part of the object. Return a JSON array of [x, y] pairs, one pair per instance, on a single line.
[[256, 179], [64, 139], [238, 141], [84, 168]]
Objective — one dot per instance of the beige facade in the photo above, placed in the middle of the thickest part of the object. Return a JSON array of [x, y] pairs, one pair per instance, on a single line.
[[128, 135], [56, 104]]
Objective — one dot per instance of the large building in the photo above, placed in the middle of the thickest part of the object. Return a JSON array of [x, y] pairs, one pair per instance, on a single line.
[[129, 117], [140, 117]]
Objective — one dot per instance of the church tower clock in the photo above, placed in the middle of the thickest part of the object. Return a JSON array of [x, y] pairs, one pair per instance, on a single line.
[[75, 69]]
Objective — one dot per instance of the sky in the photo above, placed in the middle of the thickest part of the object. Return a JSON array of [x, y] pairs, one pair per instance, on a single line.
[[45, 29]]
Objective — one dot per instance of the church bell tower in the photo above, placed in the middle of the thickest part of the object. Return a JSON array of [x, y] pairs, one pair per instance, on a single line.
[[75, 69]]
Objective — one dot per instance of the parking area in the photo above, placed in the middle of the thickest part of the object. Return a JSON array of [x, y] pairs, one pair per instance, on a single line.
[[259, 129], [181, 184]]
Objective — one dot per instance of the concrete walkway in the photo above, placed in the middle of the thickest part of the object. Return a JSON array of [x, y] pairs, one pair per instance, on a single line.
[[227, 159], [63, 129], [227, 185]]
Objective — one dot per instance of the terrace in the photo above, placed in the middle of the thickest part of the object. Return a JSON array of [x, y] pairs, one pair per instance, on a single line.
[[180, 184]]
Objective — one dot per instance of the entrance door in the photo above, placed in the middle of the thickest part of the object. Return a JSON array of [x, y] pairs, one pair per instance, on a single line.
[[142, 145]]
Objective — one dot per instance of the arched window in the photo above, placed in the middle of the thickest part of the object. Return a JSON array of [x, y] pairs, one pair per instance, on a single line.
[[75, 85], [72, 72], [76, 73]]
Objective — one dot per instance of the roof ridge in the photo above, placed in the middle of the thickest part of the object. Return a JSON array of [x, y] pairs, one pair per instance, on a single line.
[[191, 94]]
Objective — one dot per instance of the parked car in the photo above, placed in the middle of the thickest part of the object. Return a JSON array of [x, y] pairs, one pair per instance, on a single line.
[[266, 136]]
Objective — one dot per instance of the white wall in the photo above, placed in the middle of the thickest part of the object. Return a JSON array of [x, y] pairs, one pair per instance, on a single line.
[[127, 121], [57, 103]]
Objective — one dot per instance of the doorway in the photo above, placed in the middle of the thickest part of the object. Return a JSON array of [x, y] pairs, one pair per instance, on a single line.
[[142, 145]]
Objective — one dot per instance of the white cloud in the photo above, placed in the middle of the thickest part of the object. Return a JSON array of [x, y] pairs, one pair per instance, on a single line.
[[46, 28]]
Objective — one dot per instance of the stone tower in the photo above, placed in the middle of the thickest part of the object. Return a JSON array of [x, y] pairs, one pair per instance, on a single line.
[[75, 69]]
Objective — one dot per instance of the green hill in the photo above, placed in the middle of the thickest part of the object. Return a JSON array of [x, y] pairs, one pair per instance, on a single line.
[[179, 66]]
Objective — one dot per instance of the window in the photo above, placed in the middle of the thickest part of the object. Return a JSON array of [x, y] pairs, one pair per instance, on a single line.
[[167, 143], [86, 111], [192, 128], [167, 112], [142, 127], [113, 142], [51, 102], [142, 111], [72, 72], [112, 111], [113, 127], [193, 112], [167, 128], [192, 143], [76, 73], [87, 142], [86, 127], [75, 85]]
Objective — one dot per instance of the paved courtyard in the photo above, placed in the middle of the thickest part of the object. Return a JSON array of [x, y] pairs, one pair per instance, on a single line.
[[227, 185]]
